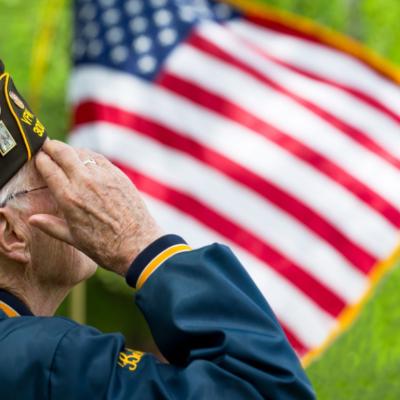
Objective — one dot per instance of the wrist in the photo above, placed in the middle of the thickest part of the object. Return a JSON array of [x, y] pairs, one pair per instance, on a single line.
[[134, 247]]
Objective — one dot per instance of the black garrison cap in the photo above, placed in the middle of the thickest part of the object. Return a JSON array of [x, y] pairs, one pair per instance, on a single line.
[[21, 133]]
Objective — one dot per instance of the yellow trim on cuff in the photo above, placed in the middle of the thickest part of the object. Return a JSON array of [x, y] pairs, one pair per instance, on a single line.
[[158, 260], [28, 149], [8, 310]]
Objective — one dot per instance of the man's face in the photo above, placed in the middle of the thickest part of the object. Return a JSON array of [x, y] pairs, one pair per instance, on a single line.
[[53, 262]]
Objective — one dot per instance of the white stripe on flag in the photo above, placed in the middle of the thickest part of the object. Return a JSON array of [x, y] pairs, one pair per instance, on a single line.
[[239, 143], [348, 108], [217, 192], [324, 61], [284, 114]]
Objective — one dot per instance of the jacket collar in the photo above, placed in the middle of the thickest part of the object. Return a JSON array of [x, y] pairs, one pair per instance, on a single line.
[[12, 306]]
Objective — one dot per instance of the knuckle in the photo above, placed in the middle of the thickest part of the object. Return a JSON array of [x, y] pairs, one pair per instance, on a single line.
[[48, 175], [100, 157], [76, 200], [86, 177], [61, 152], [70, 197], [67, 198], [90, 184]]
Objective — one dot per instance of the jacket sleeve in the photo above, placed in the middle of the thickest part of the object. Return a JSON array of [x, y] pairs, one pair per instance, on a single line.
[[209, 320]]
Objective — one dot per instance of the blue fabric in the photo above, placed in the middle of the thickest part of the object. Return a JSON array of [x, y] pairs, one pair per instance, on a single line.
[[209, 320]]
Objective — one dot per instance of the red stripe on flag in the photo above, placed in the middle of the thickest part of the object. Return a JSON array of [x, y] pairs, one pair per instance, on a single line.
[[358, 94], [320, 163], [274, 25], [239, 235], [350, 131], [264, 22], [93, 112]]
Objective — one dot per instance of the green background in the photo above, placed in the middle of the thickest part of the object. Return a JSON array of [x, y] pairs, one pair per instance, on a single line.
[[364, 363]]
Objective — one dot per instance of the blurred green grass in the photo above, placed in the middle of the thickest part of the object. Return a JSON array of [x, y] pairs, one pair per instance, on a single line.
[[364, 362]]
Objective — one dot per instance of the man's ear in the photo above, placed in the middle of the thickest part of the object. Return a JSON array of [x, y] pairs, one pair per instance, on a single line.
[[13, 243]]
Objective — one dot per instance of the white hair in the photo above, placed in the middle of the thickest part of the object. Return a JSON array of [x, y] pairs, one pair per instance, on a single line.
[[19, 182]]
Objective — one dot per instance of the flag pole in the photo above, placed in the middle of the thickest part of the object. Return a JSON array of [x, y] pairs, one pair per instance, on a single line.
[[354, 27], [41, 52], [78, 303], [42, 47]]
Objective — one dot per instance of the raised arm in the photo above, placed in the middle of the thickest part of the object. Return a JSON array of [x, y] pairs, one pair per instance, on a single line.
[[207, 316]]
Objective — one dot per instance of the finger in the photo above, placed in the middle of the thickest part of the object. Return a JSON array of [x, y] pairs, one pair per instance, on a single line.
[[53, 226], [63, 155], [52, 174]]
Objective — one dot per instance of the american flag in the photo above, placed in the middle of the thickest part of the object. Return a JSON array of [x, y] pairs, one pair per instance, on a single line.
[[257, 130]]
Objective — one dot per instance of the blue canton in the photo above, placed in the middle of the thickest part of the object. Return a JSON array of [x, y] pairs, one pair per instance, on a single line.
[[136, 36]]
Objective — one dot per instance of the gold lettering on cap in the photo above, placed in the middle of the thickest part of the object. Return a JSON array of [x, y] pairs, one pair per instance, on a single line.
[[27, 117], [39, 128]]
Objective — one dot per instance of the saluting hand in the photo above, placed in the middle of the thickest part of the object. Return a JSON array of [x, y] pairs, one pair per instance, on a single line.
[[103, 213]]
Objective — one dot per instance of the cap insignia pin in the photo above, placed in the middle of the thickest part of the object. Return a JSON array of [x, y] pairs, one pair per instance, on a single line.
[[7, 142], [18, 102]]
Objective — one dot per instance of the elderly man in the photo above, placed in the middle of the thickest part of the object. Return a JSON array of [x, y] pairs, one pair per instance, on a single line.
[[65, 211]]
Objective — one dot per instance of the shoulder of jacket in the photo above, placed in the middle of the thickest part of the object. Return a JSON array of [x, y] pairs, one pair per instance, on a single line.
[[35, 329]]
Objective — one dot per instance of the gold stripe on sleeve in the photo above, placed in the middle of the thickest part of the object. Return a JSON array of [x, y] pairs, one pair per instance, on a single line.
[[157, 261], [8, 310]]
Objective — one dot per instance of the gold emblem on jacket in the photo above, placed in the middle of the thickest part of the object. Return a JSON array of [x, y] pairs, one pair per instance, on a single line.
[[130, 358]]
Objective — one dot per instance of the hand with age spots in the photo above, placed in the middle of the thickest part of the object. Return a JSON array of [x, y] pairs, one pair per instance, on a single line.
[[104, 215]]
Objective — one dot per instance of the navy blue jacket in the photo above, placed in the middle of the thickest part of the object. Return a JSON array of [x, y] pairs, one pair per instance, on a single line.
[[208, 318]]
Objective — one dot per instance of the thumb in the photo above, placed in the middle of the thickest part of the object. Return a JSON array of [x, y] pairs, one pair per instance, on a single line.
[[52, 226]]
